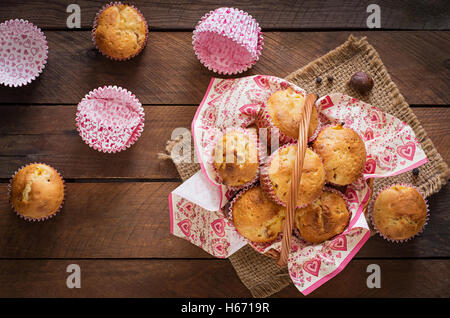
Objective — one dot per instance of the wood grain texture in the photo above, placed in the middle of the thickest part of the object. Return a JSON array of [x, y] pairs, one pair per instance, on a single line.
[[168, 72], [285, 15], [48, 134], [131, 220], [208, 278]]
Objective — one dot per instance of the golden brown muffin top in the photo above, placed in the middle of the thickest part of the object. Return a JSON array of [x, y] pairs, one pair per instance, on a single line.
[[280, 173], [343, 153], [324, 218], [236, 158], [121, 31], [37, 190], [256, 217], [285, 108], [399, 212]]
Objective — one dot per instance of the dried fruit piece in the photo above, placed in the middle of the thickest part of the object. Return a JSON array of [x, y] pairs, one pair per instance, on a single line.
[[362, 82]]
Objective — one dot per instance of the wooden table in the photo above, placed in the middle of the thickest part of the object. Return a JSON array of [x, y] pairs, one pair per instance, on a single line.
[[115, 222]]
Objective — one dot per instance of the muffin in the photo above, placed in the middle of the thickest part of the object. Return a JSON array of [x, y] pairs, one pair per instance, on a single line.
[[283, 110], [326, 217], [235, 157], [343, 153], [399, 212], [256, 217], [277, 172], [120, 31], [36, 191]]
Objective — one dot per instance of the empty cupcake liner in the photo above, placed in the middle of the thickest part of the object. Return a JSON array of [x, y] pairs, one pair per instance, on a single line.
[[212, 146], [26, 218], [110, 119], [371, 205], [264, 121], [259, 247], [266, 183], [227, 41], [94, 28], [23, 52]]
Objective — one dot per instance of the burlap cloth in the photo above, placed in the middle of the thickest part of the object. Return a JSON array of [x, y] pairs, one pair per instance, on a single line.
[[258, 272]]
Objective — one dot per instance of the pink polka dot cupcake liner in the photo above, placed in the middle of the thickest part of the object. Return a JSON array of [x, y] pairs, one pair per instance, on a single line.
[[94, 28], [266, 183], [371, 206], [253, 137], [26, 218], [227, 41], [110, 119], [23, 52]]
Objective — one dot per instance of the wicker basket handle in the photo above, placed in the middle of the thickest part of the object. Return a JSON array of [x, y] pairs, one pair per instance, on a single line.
[[295, 179]]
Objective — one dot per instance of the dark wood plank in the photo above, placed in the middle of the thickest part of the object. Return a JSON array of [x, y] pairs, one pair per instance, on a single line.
[[184, 14], [208, 278], [131, 220], [48, 134], [167, 72]]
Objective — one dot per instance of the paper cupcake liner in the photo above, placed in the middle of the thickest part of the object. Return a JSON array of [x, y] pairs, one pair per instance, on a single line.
[[242, 31], [26, 218], [266, 183], [374, 225], [212, 146], [23, 52], [362, 173], [263, 120], [110, 128], [347, 204], [259, 247], [94, 28]]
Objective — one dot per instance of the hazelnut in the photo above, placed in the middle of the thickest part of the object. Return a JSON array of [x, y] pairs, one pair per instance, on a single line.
[[362, 82]]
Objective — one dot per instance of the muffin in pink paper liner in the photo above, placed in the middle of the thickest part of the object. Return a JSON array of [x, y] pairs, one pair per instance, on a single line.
[[323, 219], [399, 212], [110, 119], [343, 153], [282, 111], [120, 31], [235, 157], [23, 52], [227, 41], [36, 192], [255, 216], [276, 174]]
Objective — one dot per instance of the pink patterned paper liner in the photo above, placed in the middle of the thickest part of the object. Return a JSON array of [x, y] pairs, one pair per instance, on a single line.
[[230, 103], [259, 247], [242, 31], [347, 204], [26, 218], [264, 121], [110, 119], [106, 6], [386, 237], [252, 137], [23, 52], [266, 183]]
